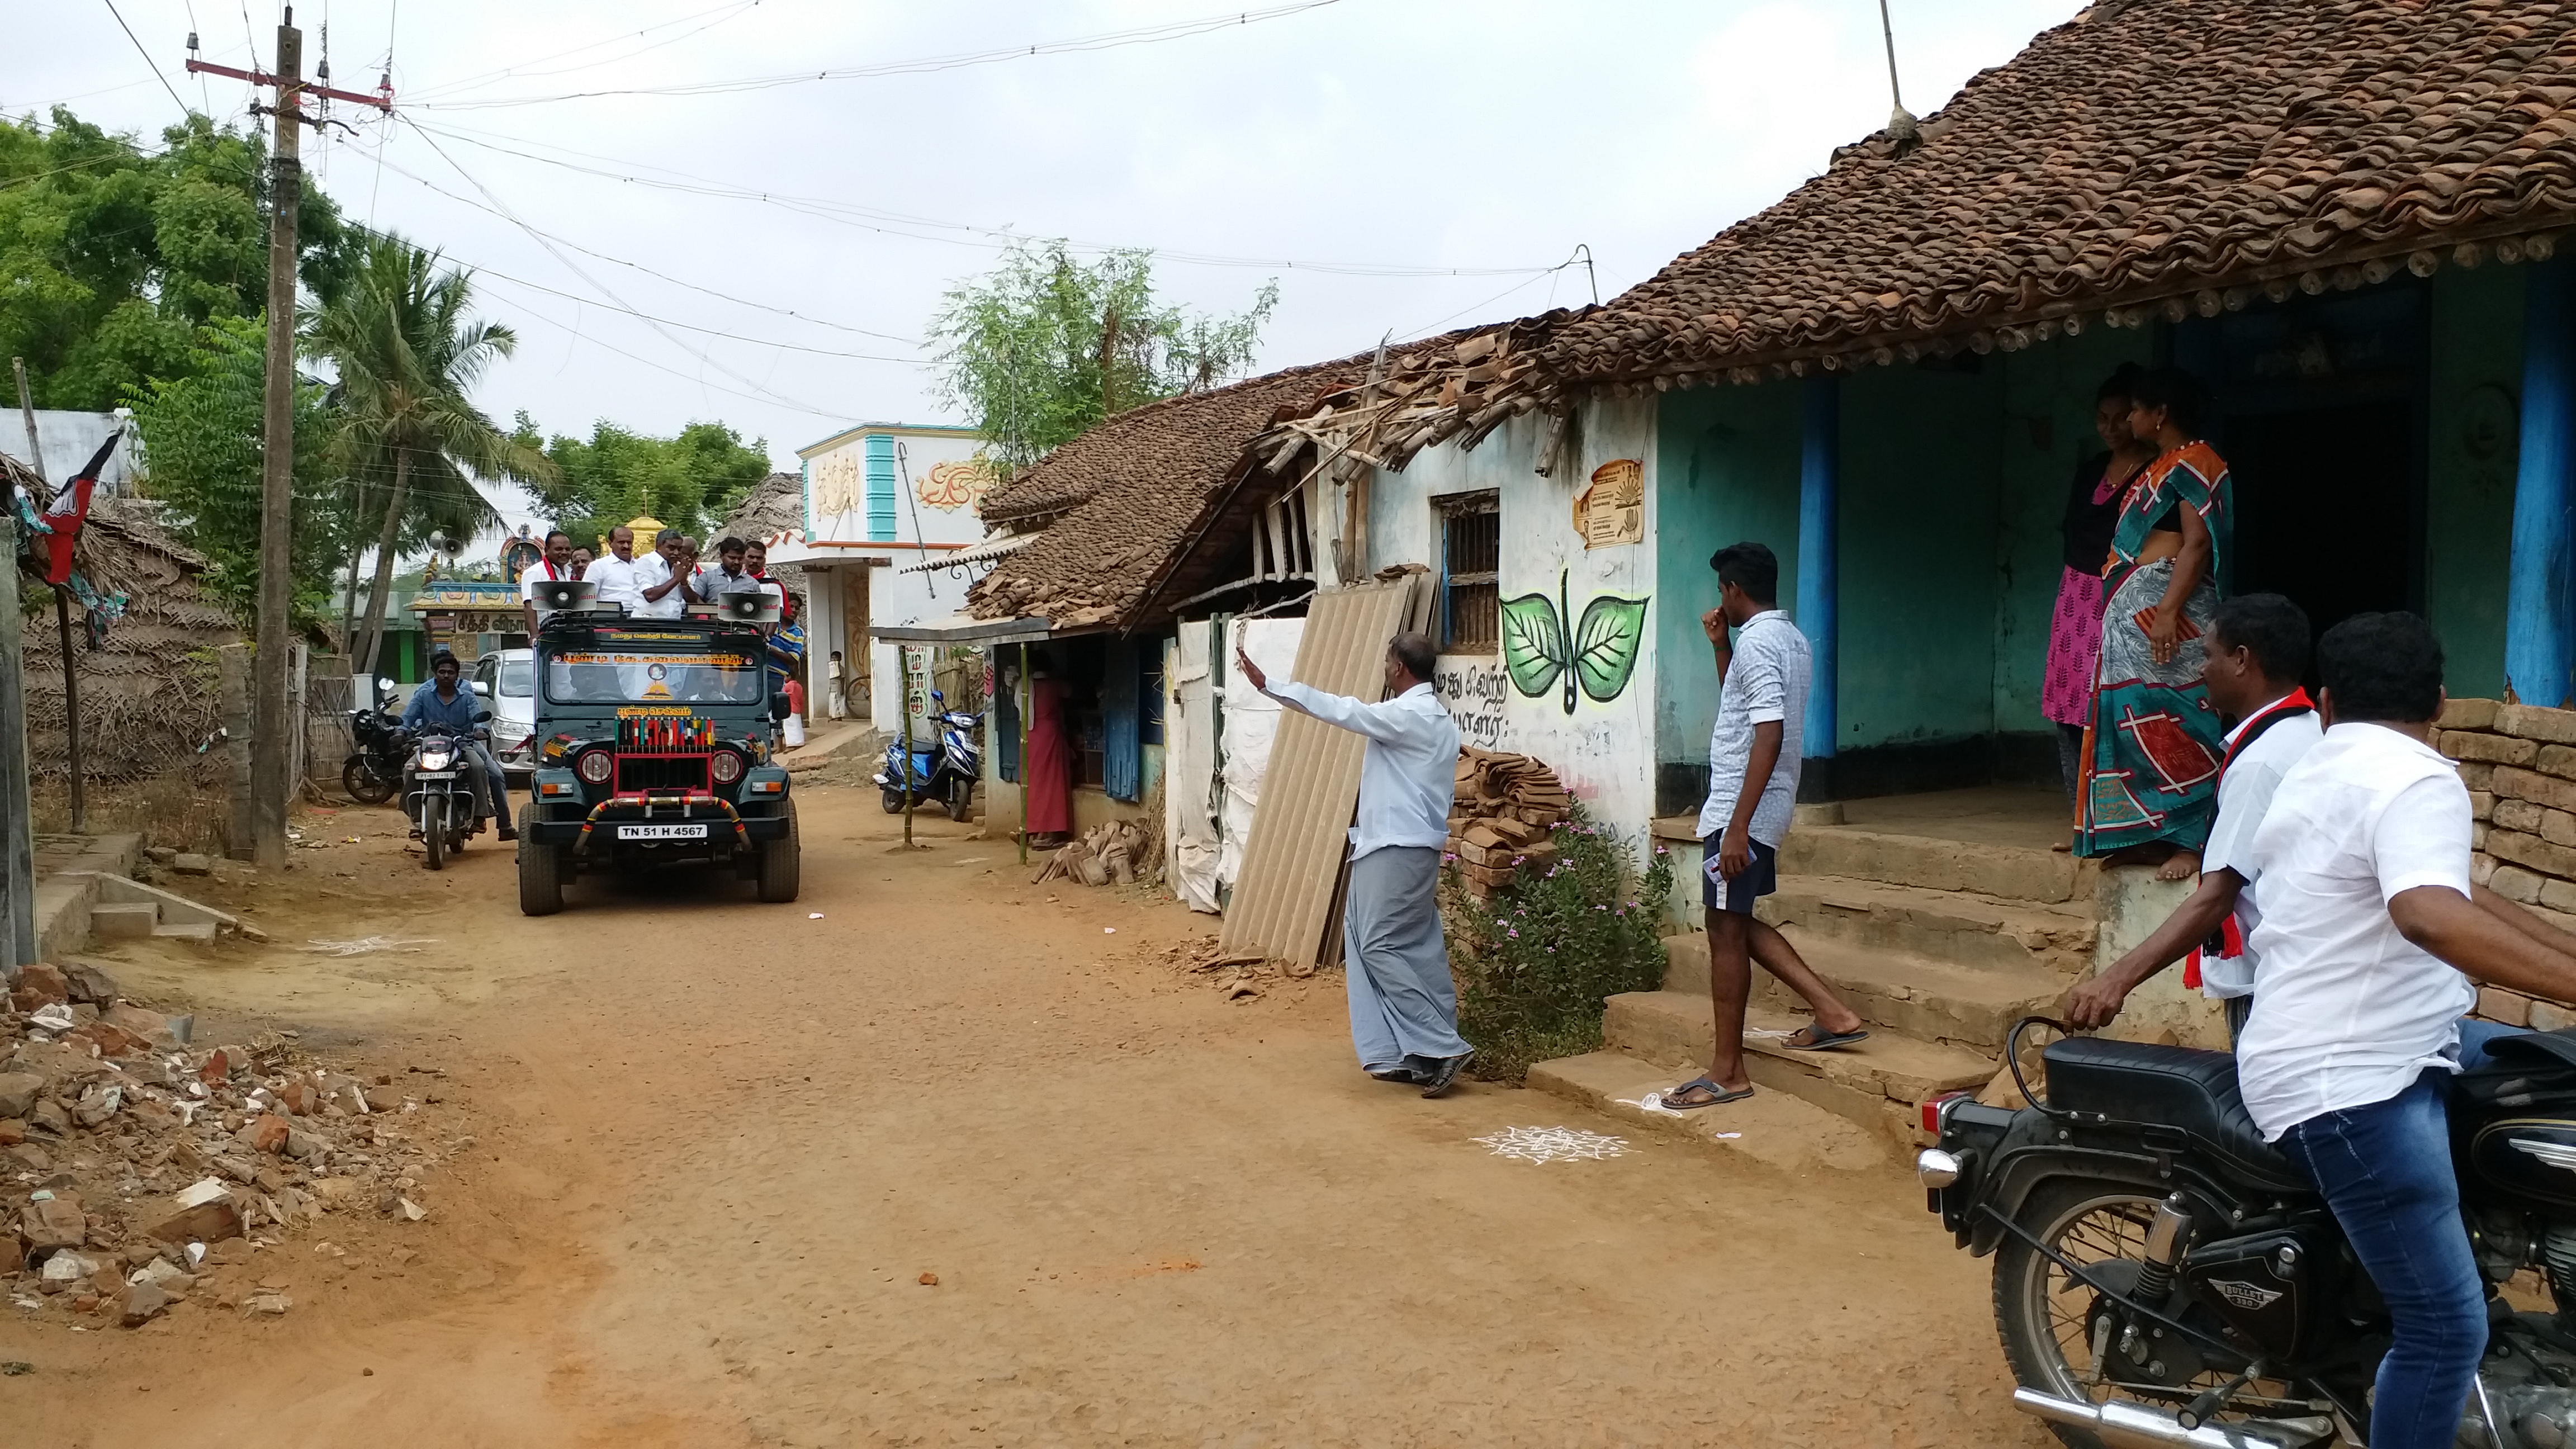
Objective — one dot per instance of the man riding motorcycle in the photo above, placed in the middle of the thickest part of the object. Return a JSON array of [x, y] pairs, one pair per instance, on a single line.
[[448, 707]]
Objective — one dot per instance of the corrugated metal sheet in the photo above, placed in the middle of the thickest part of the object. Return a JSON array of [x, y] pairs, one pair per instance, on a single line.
[[1292, 865]]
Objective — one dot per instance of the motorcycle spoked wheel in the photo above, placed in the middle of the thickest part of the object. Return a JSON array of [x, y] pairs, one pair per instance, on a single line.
[[366, 784], [2043, 1315]]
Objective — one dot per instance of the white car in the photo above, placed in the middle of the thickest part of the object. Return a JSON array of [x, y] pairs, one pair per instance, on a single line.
[[507, 682]]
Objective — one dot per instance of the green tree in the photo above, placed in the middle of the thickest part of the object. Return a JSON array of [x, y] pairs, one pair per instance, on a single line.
[[1044, 347], [403, 424], [114, 257], [202, 446], [616, 474]]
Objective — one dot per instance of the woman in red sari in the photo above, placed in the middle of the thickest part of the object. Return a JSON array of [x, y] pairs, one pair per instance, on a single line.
[[1047, 773]]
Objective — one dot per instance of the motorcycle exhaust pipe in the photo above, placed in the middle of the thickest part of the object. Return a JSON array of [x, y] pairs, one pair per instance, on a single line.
[[2123, 1425]]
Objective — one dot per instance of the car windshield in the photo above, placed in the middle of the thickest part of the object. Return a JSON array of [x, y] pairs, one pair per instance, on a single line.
[[622, 675], [517, 678]]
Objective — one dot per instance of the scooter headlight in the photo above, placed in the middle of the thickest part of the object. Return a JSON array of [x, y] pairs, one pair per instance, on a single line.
[[595, 766], [436, 759], [726, 767]]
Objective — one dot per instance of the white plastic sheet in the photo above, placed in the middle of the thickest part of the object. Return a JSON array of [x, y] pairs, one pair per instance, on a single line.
[[1251, 722]]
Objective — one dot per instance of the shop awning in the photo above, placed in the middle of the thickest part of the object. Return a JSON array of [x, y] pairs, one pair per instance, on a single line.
[[965, 629], [985, 552]]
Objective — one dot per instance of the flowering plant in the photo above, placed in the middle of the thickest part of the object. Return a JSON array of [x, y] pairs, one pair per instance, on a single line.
[[1535, 963]]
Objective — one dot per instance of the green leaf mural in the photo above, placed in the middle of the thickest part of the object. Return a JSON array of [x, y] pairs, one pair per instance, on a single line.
[[1601, 657], [1607, 643]]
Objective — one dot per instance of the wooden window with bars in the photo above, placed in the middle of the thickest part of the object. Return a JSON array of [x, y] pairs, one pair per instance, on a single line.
[[1471, 555]]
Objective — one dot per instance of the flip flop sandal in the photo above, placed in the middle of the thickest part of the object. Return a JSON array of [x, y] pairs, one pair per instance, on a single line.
[[1820, 1040], [1717, 1095]]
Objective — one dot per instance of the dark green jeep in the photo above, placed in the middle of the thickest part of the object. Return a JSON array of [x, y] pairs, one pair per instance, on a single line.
[[653, 742]]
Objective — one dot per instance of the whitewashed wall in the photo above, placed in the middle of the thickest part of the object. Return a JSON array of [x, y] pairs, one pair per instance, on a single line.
[[1604, 749]]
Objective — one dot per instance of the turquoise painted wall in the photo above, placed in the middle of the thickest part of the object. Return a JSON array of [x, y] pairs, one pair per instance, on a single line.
[[1920, 466], [2476, 377], [1727, 471]]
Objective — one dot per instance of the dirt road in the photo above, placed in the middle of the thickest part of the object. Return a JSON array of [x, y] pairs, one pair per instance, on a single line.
[[723, 1144]]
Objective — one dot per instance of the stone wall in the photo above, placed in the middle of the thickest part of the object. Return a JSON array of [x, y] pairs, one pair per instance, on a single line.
[[2519, 762]]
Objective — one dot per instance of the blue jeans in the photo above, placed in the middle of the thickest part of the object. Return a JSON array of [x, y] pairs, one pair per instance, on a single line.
[[2385, 1170]]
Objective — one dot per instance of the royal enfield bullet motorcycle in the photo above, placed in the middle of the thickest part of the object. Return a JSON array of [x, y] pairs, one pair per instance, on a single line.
[[2165, 1277]]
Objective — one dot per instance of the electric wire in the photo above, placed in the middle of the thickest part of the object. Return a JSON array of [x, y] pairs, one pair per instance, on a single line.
[[1112, 40], [147, 56], [733, 9]]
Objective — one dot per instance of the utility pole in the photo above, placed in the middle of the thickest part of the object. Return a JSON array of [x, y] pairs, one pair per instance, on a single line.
[[17, 825], [270, 721]]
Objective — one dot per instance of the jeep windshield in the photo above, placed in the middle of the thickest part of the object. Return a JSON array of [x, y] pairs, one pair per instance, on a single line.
[[638, 672]]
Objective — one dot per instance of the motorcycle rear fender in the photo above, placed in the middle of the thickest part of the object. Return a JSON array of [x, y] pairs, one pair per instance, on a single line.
[[2012, 1178]]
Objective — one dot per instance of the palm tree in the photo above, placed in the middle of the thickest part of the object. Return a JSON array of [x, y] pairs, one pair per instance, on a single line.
[[404, 429]]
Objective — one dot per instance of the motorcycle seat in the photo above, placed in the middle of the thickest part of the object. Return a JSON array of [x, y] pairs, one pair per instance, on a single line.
[[2178, 1087]]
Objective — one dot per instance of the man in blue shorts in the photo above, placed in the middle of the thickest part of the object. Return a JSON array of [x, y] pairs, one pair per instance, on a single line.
[[1753, 760]]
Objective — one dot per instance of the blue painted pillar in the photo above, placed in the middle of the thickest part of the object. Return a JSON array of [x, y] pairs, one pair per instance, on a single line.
[[1820, 469], [2539, 628]]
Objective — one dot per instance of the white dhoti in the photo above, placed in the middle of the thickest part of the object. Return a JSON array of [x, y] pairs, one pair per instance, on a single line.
[[1404, 1006]]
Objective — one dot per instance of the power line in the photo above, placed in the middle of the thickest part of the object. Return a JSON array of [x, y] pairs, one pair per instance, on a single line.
[[888, 223], [733, 9], [1112, 40], [147, 56]]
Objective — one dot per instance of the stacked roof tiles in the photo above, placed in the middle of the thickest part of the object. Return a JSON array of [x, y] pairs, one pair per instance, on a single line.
[[2182, 151]]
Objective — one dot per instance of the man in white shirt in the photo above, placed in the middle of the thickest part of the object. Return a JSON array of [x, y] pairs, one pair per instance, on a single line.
[[620, 575], [1404, 1004], [659, 577], [2370, 948], [555, 567], [1754, 756], [2257, 654]]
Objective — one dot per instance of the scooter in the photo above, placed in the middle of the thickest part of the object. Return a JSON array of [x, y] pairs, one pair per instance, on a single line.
[[373, 771], [944, 769], [439, 796]]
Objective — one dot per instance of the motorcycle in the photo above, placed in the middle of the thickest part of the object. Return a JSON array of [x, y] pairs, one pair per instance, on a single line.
[[2165, 1277], [944, 769], [438, 793], [373, 771]]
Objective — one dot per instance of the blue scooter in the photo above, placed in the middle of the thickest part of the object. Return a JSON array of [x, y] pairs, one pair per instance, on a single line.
[[944, 769]]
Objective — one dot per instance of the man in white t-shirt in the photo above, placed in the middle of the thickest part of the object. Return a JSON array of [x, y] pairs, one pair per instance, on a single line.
[[2370, 948], [2257, 654], [555, 567], [619, 575]]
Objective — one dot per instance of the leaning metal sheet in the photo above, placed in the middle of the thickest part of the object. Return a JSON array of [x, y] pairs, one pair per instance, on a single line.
[[1300, 829]]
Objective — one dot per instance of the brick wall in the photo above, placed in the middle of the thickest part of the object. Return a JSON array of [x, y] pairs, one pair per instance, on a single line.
[[2519, 762]]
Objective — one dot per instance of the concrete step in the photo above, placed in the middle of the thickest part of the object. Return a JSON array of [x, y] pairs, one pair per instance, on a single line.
[[1774, 1128], [185, 931], [2006, 872], [1879, 1084], [1947, 925], [122, 920], [1926, 998]]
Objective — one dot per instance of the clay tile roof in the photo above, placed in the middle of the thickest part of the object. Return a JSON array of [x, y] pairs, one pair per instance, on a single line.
[[1129, 490], [2151, 151]]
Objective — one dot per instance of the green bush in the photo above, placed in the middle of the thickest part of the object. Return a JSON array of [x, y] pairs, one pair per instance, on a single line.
[[1536, 962]]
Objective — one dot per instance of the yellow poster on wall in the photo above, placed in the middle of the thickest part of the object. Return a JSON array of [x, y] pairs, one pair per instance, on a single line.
[[1613, 509]]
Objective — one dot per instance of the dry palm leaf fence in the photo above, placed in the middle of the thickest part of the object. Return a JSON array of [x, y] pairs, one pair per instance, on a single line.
[[1502, 818]]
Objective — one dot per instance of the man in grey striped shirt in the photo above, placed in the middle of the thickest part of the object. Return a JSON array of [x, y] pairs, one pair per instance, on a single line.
[[1753, 760]]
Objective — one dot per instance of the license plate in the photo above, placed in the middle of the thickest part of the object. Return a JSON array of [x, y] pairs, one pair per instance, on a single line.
[[662, 832], [435, 775]]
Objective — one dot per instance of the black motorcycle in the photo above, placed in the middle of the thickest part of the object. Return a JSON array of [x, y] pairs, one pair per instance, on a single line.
[[373, 771], [439, 793], [2164, 1277]]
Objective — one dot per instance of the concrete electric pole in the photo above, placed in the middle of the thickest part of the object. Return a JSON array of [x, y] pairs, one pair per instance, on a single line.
[[270, 722]]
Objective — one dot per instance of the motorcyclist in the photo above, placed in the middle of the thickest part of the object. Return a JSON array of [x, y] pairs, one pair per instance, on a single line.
[[445, 705]]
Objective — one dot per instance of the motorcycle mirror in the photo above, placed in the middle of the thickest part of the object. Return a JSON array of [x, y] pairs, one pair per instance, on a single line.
[[482, 716], [778, 707], [937, 698]]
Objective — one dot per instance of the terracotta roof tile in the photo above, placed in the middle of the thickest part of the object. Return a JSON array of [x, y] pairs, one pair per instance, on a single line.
[[2142, 151]]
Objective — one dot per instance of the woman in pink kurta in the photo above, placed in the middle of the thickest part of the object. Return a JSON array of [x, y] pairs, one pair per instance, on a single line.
[[1048, 770]]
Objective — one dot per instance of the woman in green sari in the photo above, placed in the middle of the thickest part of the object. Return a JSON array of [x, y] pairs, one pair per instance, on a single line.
[[2153, 748]]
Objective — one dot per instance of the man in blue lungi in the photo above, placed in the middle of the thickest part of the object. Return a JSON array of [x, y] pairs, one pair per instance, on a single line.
[[1404, 1007]]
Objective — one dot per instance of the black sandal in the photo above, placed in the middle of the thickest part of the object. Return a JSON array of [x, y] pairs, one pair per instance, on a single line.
[[1717, 1095]]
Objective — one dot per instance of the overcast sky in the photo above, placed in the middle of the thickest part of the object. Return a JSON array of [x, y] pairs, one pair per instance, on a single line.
[[1390, 137]]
